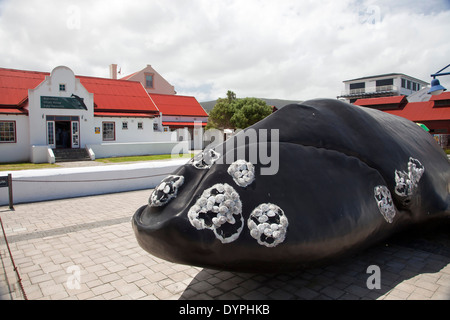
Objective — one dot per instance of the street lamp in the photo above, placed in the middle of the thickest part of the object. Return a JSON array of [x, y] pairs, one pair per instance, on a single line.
[[436, 87]]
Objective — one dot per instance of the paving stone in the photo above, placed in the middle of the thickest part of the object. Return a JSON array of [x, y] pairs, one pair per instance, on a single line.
[[49, 237], [333, 292]]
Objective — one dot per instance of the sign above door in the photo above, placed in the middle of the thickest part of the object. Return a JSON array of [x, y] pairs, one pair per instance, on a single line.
[[73, 102]]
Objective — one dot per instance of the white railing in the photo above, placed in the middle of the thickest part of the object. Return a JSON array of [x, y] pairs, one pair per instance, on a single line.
[[368, 90]]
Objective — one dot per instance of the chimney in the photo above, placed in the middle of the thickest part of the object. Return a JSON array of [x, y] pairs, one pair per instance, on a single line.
[[113, 71]]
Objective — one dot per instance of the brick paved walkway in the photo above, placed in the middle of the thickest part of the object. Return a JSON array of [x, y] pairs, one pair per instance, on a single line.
[[56, 242]]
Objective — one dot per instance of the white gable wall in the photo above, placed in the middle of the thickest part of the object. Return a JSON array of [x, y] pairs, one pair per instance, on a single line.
[[50, 87]]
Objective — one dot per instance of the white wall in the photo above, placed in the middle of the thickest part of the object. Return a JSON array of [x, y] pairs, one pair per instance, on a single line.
[[132, 134], [185, 119], [49, 184], [105, 150], [50, 87], [20, 150]]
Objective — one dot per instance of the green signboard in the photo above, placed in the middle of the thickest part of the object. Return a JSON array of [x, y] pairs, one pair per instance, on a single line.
[[73, 102]]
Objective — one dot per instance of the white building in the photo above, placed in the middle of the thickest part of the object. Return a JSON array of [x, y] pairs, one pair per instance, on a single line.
[[384, 85], [41, 113]]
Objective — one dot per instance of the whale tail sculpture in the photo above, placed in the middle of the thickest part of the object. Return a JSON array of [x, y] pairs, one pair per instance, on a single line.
[[341, 178]]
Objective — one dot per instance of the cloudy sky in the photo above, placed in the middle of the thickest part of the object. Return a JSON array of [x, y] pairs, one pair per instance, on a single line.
[[286, 49]]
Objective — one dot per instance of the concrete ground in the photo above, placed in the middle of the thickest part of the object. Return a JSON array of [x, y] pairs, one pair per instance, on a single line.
[[85, 248]]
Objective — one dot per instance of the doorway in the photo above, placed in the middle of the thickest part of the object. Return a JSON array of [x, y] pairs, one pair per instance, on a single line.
[[62, 134]]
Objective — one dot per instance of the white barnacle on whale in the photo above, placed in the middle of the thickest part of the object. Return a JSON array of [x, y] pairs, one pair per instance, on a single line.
[[384, 202], [407, 182], [166, 190], [205, 159], [219, 209], [242, 172], [268, 224]]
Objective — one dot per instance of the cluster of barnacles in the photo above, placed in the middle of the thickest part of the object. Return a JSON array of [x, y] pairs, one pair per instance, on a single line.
[[405, 185], [268, 224], [219, 209], [242, 172]]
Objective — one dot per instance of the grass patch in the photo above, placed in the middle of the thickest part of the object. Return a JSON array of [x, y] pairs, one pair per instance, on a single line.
[[14, 166], [144, 158]]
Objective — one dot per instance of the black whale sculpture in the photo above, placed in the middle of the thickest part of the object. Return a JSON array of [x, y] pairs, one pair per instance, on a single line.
[[346, 178]]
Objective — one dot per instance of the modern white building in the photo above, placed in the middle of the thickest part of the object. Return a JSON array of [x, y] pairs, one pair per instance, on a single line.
[[384, 85], [42, 113]]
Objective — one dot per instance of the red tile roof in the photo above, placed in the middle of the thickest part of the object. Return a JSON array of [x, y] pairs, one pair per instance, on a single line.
[[173, 105], [118, 96], [422, 111], [394, 100], [442, 96], [383, 103], [14, 85], [4, 110], [111, 97], [414, 111]]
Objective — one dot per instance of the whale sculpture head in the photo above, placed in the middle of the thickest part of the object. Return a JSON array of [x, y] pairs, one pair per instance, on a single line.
[[308, 184]]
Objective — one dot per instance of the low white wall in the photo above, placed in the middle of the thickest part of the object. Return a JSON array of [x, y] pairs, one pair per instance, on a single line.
[[105, 150], [39, 154], [50, 184]]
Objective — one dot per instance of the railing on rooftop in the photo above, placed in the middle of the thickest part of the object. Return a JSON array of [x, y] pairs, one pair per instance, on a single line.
[[370, 90]]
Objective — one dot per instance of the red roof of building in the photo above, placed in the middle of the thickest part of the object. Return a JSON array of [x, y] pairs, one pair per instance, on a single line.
[[436, 108], [13, 110], [442, 96], [422, 111], [112, 97], [393, 101], [118, 96], [173, 105], [14, 85]]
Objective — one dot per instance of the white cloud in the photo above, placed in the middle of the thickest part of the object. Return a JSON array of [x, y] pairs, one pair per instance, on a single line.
[[286, 49]]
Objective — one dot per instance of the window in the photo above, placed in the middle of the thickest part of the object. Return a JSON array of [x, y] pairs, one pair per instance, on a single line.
[[149, 81], [384, 82], [358, 85], [408, 84], [155, 126], [124, 125], [8, 131], [403, 83], [62, 87], [140, 125], [51, 133], [109, 131]]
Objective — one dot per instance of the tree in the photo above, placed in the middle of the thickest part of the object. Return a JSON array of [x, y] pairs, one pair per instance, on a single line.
[[231, 96], [220, 115], [248, 111], [233, 113]]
